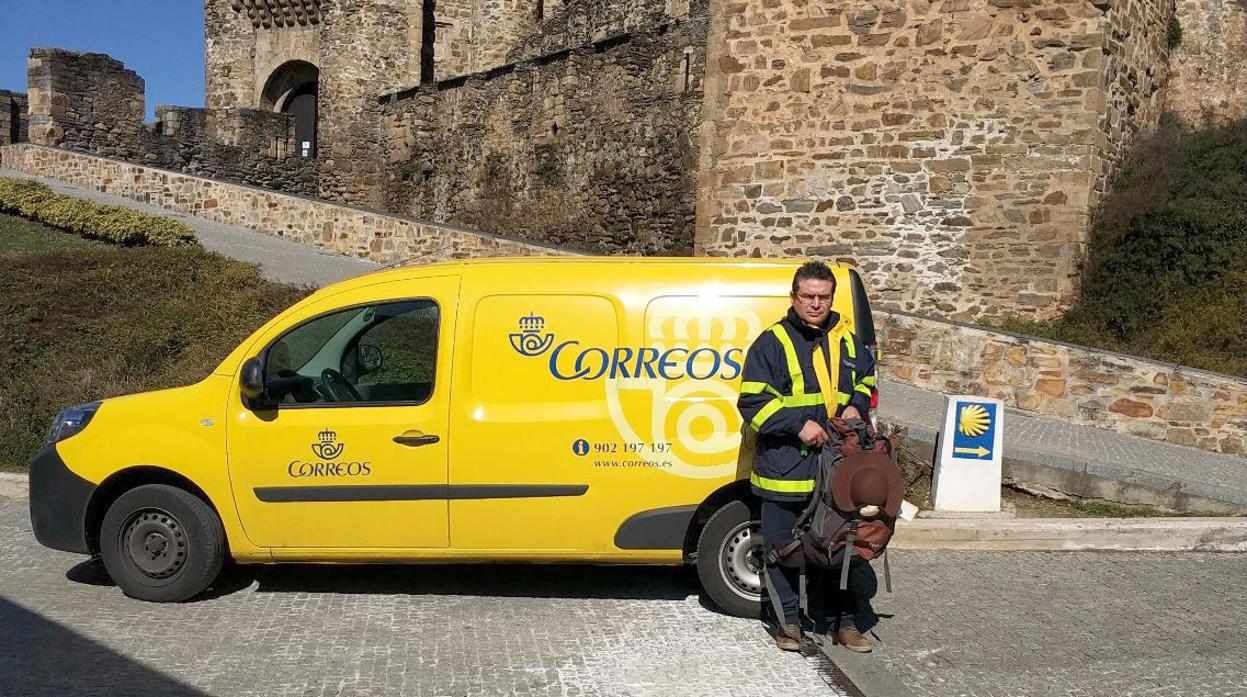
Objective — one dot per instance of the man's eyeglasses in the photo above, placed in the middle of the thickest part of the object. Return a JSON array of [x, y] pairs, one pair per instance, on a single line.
[[809, 298]]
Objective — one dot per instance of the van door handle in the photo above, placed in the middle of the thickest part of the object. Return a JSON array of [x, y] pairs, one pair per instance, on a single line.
[[415, 441]]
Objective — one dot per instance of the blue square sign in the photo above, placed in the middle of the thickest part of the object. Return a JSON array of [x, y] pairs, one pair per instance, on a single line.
[[974, 434]]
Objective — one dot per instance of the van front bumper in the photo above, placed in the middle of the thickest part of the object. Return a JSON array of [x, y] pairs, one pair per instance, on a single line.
[[58, 503]]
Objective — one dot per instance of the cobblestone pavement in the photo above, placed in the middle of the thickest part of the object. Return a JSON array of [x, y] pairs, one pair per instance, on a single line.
[[385, 630], [1101, 452], [280, 259], [959, 624], [1039, 624]]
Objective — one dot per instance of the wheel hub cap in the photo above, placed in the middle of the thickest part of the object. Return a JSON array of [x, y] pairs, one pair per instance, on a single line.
[[740, 560], [156, 543]]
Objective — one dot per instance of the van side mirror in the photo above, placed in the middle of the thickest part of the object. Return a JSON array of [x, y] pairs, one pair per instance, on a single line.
[[251, 379]]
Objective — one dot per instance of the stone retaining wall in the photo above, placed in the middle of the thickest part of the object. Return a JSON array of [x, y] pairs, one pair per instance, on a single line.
[[332, 227], [1123, 393]]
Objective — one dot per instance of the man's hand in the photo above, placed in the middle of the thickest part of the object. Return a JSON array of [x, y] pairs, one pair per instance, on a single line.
[[813, 434], [850, 412]]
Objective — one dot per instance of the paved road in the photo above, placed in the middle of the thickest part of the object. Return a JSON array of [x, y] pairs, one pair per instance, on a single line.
[[359, 630], [960, 624], [1060, 624]]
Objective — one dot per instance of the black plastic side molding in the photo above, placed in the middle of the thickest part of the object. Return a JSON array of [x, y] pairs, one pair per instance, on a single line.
[[660, 528]]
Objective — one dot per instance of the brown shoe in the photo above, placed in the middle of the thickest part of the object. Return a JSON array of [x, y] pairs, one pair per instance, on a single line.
[[789, 638], [852, 640]]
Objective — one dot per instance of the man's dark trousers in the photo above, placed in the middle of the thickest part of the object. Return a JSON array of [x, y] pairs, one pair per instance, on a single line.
[[778, 517]]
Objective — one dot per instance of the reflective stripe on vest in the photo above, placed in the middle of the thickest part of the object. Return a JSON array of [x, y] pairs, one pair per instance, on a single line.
[[782, 486], [798, 398], [790, 357]]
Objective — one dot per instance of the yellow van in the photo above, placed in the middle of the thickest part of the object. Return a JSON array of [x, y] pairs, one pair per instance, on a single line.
[[552, 409]]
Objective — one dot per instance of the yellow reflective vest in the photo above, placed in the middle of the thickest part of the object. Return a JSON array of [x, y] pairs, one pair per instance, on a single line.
[[783, 386]]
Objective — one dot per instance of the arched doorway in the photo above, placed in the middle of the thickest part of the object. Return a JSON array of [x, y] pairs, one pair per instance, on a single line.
[[291, 89]]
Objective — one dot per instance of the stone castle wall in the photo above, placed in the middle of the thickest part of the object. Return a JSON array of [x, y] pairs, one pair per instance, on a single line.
[[14, 119], [452, 34], [594, 148], [362, 49], [70, 110], [337, 228], [1135, 68], [1079, 385], [1208, 69], [84, 101], [950, 148], [353, 75], [581, 22], [248, 146]]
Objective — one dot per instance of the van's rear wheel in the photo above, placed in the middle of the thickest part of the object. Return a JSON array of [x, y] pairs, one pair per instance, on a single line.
[[161, 543], [729, 560]]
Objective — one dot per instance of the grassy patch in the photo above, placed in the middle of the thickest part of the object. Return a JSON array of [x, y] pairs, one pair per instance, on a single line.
[[80, 322], [21, 235], [1166, 273]]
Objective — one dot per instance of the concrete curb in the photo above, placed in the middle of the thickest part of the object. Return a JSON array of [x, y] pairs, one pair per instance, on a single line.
[[1075, 534], [14, 485]]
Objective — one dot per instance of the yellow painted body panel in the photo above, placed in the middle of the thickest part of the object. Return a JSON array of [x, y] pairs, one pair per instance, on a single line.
[[615, 378]]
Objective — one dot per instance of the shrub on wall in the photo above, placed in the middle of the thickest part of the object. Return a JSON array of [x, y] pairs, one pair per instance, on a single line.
[[1166, 273], [116, 224]]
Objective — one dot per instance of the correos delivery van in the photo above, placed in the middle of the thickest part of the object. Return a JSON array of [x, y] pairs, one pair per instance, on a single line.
[[539, 409]]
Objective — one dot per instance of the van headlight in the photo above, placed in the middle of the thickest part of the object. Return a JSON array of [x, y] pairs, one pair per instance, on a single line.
[[71, 421]]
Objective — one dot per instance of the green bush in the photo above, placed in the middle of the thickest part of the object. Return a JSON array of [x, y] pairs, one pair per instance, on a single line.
[[116, 224], [1166, 272], [82, 324]]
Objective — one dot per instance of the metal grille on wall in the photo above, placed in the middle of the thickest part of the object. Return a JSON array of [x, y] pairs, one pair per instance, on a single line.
[[279, 13]]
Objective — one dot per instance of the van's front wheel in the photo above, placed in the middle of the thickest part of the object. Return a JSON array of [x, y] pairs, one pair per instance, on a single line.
[[729, 560], [161, 543]]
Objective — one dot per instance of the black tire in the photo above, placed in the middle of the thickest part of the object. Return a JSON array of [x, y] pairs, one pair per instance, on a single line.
[[161, 543], [730, 538]]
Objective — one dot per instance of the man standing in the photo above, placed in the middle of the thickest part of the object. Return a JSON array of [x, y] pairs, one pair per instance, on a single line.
[[786, 393]]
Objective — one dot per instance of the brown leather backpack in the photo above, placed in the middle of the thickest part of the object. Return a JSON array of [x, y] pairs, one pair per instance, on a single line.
[[857, 497]]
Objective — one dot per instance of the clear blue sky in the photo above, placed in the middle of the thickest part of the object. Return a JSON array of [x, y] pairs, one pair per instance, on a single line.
[[163, 41]]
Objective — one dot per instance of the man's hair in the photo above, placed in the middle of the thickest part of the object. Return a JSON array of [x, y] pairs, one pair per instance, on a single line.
[[812, 271]]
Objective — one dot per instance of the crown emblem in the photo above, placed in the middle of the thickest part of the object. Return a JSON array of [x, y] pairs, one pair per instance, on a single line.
[[529, 341], [325, 448], [532, 323]]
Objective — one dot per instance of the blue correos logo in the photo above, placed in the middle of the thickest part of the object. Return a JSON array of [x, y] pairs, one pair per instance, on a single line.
[[528, 341], [569, 361]]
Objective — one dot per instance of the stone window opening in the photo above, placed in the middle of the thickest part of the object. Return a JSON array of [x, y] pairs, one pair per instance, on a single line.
[[541, 10], [430, 31], [688, 69], [293, 89]]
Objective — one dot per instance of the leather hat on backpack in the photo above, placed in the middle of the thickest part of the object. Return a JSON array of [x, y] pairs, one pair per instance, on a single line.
[[868, 478]]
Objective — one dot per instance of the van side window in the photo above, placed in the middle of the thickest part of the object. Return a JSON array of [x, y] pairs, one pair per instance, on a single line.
[[375, 354]]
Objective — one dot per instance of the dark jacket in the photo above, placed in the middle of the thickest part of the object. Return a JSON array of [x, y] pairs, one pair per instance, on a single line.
[[784, 467]]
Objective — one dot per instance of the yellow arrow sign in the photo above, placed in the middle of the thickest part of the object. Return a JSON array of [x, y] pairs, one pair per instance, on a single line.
[[980, 451]]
